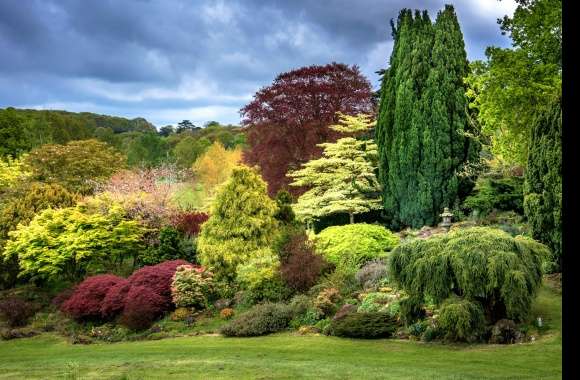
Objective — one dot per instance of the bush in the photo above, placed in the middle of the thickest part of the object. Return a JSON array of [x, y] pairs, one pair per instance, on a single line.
[[227, 313], [158, 278], [62, 297], [503, 194], [142, 307], [460, 319], [85, 303], [371, 274], [259, 278], [363, 325], [411, 309], [326, 303], [114, 300], [375, 302], [168, 248], [189, 223], [302, 266], [16, 311], [180, 314], [191, 287], [481, 264], [260, 320], [351, 246]]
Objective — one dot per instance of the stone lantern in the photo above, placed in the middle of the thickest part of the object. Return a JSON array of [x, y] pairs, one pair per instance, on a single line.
[[447, 218]]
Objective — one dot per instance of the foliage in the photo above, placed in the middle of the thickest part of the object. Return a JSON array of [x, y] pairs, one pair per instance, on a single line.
[[226, 313], [351, 246], [370, 275], [481, 264], [241, 224], [147, 150], [85, 302], [262, 319], [189, 149], [170, 247], [12, 171], [189, 223], [512, 86], [191, 287], [70, 242], [363, 325], [285, 213], [301, 267], [326, 302], [142, 307], [460, 319], [343, 180], [16, 311], [215, 166], [259, 276], [423, 134], [411, 309], [158, 278], [543, 181], [78, 165], [292, 115], [114, 301], [503, 194]]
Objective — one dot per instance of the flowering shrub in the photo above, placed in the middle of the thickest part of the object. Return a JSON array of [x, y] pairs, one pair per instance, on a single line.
[[85, 303], [158, 278], [142, 307], [16, 311], [227, 313], [114, 300], [191, 286]]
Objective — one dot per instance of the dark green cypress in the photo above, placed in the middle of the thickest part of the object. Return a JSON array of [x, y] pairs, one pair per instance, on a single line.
[[543, 180], [422, 118]]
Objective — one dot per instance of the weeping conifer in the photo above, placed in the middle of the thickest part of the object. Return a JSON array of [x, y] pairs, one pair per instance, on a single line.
[[422, 119]]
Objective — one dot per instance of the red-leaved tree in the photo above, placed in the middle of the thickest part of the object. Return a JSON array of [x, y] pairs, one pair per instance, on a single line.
[[286, 120]]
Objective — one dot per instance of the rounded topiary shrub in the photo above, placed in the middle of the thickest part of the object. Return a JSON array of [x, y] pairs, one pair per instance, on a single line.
[[352, 245], [481, 264], [363, 325], [191, 287], [262, 319], [85, 302], [461, 319], [114, 300], [143, 306]]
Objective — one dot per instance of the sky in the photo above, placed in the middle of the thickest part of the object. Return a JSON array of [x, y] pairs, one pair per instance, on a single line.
[[200, 60]]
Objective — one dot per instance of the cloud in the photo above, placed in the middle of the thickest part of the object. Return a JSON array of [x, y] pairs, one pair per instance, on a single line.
[[167, 60]]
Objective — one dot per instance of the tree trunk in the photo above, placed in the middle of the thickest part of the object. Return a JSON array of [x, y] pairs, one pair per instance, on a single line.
[[351, 215]]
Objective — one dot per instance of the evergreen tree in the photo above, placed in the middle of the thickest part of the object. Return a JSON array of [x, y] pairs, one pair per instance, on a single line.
[[543, 180], [422, 119], [241, 226], [343, 180]]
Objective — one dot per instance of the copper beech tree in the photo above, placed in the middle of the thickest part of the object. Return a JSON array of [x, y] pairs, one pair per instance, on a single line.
[[286, 120]]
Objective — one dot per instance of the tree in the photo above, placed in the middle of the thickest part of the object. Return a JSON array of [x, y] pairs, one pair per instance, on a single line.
[[512, 86], [215, 166], [291, 116], [166, 130], [422, 130], [241, 224], [147, 149], [343, 180], [12, 134], [543, 181], [189, 149], [70, 242], [78, 165], [184, 126]]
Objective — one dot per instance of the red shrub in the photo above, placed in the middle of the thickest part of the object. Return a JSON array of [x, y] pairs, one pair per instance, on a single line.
[[16, 311], [85, 303], [189, 223], [142, 307], [114, 301], [302, 267], [61, 297], [158, 278]]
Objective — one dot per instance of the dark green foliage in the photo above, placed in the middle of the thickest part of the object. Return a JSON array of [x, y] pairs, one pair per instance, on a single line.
[[543, 182], [363, 325], [285, 214], [411, 309], [461, 319], [422, 119], [260, 320], [172, 246], [481, 264], [502, 194], [147, 149]]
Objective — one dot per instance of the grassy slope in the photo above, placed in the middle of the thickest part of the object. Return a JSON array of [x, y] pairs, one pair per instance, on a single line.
[[286, 356]]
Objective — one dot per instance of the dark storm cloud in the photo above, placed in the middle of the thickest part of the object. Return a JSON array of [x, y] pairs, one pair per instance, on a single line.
[[201, 60]]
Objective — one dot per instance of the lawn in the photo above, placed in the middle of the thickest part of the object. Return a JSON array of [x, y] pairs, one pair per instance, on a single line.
[[289, 356]]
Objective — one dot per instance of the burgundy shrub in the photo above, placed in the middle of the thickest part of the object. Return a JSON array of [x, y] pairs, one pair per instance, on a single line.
[[114, 302], [189, 223], [85, 303], [16, 311], [158, 278], [142, 307], [302, 266]]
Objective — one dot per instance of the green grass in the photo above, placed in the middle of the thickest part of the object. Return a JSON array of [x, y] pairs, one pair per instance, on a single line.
[[191, 197], [288, 356]]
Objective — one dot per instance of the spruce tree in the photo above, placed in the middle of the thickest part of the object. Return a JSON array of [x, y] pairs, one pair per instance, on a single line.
[[543, 180], [422, 119]]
